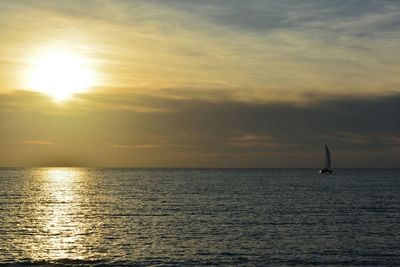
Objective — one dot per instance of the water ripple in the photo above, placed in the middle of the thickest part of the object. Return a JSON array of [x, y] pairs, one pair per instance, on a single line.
[[123, 217]]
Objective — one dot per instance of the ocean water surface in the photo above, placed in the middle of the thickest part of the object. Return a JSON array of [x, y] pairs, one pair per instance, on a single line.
[[196, 217]]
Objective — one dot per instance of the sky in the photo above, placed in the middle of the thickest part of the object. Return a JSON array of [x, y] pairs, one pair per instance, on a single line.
[[222, 83]]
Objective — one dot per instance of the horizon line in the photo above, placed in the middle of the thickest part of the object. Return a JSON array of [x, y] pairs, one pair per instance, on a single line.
[[233, 168]]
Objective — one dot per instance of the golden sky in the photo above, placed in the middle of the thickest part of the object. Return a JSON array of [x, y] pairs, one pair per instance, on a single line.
[[201, 83]]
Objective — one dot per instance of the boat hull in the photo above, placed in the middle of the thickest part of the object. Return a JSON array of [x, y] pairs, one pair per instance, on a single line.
[[325, 171]]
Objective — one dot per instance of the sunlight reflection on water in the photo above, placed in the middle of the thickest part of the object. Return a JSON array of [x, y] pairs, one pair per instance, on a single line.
[[56, 213]]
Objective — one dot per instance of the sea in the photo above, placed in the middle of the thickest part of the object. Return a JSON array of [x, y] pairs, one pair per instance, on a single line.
[[199, 217]]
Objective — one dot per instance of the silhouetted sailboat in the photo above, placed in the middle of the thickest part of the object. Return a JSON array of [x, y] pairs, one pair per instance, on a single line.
[[327, 169]]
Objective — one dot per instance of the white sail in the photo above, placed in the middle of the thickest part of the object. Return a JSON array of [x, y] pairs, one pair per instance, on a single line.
[[327, 158]]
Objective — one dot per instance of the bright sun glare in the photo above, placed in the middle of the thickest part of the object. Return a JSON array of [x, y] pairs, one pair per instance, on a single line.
[[60, 74]]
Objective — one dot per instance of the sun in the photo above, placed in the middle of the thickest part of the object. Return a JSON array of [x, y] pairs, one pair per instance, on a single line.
[[60, 74]]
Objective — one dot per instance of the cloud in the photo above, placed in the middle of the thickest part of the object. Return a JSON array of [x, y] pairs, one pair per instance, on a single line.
[[253, 50], [349, 137], [248, 134], [150, 146], [39, 142], [260, 82], [252, 140]]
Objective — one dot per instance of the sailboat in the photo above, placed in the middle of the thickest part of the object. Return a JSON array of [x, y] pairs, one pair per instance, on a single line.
[[327, 169]]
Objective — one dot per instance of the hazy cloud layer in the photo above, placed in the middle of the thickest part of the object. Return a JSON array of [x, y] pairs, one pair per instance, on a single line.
[[267, 50], [198, 133]]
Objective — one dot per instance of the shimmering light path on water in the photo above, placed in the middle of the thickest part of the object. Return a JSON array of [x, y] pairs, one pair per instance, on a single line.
[[199, 217]]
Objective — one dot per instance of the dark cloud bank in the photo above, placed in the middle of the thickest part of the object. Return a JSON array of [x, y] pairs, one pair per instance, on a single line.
[[136, 130]]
